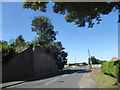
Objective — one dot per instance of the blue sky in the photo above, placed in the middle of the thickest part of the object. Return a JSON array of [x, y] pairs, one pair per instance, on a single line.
[[101, 40]]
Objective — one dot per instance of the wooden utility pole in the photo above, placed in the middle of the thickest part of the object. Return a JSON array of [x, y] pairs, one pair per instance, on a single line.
[[75, 60], [89, 58]]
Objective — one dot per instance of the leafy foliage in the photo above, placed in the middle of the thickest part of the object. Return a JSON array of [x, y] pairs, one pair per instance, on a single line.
[[59, 55], [35, 6], [7, 51], [11, 48], [111, 67], [84, 63], [19, 43], [81, 13], [46, 37], [44, 29], [94, 60]]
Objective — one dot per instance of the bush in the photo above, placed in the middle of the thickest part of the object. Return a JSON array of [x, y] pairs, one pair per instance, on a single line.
[[7, 52], [111, 67]]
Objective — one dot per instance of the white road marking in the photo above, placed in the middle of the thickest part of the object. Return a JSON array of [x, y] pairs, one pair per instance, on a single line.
[[64, 75], [51, 81]]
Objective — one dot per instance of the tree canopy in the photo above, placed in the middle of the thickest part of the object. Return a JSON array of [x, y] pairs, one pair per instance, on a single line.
[[81, 13], [46, 39], [19, 44], [44, 29], [7, 51], [94, 60]]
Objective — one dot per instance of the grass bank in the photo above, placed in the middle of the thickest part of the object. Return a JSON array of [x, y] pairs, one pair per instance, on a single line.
[[70, 68], [105, 81]]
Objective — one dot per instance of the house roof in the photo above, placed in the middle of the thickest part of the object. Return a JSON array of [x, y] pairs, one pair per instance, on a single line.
[[114, 59]]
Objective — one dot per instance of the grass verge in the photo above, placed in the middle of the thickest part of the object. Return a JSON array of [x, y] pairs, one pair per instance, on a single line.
[[70, 68], [105, 81]]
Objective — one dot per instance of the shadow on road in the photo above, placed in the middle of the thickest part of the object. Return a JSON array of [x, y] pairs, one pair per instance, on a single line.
[[45, 76], [84, 71], [50, 75]]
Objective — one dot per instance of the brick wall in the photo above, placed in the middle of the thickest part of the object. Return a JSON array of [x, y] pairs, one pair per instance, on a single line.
[[31, 62]]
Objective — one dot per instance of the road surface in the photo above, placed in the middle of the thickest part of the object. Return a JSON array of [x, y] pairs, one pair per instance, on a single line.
[[66, 79]]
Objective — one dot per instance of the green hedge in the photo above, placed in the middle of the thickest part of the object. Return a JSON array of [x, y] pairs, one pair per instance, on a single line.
[[111, 67]]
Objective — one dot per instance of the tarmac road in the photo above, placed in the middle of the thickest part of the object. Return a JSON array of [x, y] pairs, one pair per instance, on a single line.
[[66, 79]]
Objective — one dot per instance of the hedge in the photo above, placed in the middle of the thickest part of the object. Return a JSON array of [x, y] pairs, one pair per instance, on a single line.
[[111, 67]]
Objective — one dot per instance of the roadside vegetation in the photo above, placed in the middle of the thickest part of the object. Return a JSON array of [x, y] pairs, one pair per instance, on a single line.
[[70, 68], [105, 81], [75, 66], [46, 38], [111, 68], [77, 12], [11, 48], [108, 77]]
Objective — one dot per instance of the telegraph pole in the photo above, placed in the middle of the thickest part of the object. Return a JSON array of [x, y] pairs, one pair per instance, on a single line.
[[89, 58], [75, 59]]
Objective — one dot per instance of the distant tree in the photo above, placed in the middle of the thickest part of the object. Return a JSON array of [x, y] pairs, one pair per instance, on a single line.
[[46, 37], [59, 55], [94, 60], [11, 48], [19, 43], [84, 63], [81, 13], [44, 29]]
